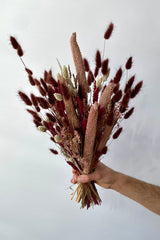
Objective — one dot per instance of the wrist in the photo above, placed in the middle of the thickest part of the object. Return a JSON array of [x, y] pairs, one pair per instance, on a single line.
[[118, 181]]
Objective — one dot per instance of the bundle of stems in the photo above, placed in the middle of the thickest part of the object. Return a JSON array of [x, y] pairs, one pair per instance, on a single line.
[[81, 111]]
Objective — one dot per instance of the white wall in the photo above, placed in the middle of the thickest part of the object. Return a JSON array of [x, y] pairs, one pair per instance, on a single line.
[[34, 199]]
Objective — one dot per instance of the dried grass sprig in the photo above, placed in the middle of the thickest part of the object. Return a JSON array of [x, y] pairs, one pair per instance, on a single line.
[[129, 113], [90, 78], [14, 42], [86, 64], [34, 100], [129, 83], [43, 103], [104, 67], [109, 31], [98, 59], [117, 133], [90, 135], [25, 98], [106, 95], [137, 89], [31, 80], [53, 151], [77, 57], [129, 63], [118, 76]]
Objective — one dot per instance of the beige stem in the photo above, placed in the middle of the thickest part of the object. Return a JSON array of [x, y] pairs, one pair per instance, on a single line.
[[78, 61], [90, 135]]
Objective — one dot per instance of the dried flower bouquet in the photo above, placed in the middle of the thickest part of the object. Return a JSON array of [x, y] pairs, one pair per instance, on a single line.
[[80, 112]]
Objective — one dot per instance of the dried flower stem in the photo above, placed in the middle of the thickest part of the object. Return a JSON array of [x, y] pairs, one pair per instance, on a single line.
[[106, 95], [90, 135], [71, 114], [78, 61]]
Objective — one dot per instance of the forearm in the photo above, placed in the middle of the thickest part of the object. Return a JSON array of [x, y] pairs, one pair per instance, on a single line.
[[144, 193]]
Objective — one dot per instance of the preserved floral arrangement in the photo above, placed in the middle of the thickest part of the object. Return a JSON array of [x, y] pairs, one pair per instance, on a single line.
[[81, 111]]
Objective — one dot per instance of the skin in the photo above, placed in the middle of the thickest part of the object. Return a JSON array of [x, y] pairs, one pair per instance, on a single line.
[[146, 194]]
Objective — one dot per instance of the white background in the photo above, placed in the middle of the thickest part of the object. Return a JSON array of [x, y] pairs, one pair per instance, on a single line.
[[34, 196]]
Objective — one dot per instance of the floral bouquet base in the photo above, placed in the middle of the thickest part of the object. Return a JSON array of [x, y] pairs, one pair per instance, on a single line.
[[86, 194], [80, 112]]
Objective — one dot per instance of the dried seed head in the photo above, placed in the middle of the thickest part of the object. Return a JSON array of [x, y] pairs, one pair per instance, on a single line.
[[86, 65], [118, 76], [65, 72], [58, 76], [45, 75], [34, 99], [51, 80], [46, 125], [129, 63], [109, 31], [129, 83], [122, 109], [57, 138], [104, 67], [44, 84], [129, 113], [50, 95], [90, 78], [137, 89], [117, 96], [41, 90], [58, 96], [37, 109], [43, 103], [99, 82], [51, 118], [14, 42], [117, 133], [125, 99], [36, 82], [19, 51], [42, 128], [25, 98], [31, 80], [53, 151], [105, 77], [36, 117], [98, 59], [36, 123], [31, 112], [96, 71], [28, 71]]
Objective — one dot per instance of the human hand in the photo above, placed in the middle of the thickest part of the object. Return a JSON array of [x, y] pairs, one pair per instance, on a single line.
[[102, 175]]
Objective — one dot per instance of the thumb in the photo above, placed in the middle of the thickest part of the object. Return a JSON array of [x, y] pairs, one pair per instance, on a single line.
[[85, 178]]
